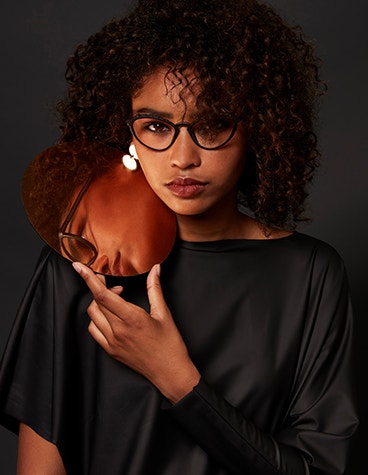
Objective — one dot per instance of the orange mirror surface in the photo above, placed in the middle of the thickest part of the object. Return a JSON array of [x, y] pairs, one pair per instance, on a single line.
[[87, 206]]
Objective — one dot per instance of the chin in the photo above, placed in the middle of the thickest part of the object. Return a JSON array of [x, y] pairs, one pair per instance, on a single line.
[[190, 210]]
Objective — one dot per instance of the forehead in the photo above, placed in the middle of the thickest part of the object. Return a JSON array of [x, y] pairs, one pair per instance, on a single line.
[[166, 89]]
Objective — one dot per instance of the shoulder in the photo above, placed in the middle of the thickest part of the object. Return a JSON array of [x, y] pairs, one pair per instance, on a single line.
[[53, 280], [52, 259], [325, 272], [320, 252], [51, 265], [303, 257], [289, 244]]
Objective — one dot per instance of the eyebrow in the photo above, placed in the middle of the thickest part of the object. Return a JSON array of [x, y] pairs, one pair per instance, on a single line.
[[148, 110]]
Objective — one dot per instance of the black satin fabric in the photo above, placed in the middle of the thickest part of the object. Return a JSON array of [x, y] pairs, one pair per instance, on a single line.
[[268, 323]]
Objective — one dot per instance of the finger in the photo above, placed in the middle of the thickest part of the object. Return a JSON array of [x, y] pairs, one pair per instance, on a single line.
[[100, 317], [117, 289], [103, 296], [97, 335], [155, 295], [102, 278], [112, 304], [95, 283]]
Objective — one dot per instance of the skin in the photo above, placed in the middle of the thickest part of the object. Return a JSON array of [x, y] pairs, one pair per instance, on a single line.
[[150, 343], [37, 456]]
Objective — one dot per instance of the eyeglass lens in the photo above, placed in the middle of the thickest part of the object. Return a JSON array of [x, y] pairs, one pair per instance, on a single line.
[[78, 249]]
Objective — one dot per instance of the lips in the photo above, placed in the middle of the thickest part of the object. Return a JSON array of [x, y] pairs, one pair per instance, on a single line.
[[186, 187]]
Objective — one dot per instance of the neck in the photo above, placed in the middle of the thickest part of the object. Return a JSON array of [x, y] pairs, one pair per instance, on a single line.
[[215, 226], [224, 222]]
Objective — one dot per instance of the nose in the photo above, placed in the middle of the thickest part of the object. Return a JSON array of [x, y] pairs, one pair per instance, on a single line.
[[113, 262], [184, 153], [101, 264]]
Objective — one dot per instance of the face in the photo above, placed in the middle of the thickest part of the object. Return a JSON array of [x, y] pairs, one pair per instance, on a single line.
[[190, 180]]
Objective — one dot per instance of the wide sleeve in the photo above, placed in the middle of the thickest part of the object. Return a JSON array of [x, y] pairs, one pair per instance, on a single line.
[[314, 436], [39, 375], [9, 392]]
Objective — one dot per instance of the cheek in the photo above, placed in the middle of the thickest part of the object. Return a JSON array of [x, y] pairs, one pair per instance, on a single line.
[[148, 163], [233, 167], [151, 170]]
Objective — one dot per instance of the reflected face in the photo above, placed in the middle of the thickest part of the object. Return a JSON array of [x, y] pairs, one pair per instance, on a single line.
[[190, 180], [121, 218]]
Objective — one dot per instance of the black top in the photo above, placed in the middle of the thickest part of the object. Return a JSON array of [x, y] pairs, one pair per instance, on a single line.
[[267, 323]]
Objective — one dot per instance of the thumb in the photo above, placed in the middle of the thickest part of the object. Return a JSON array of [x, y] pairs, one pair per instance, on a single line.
[[156, 299]]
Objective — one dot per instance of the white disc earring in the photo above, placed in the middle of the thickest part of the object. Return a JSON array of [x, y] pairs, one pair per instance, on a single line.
[[130, 161]]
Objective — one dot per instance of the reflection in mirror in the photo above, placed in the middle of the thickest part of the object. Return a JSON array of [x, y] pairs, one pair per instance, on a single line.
[[87, 206]]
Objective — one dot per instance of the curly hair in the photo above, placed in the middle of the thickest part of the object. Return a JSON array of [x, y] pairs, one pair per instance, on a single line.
[[249, 63]]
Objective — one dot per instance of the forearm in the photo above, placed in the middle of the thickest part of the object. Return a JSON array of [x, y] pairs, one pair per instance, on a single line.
[[36, 455], [230, 439]]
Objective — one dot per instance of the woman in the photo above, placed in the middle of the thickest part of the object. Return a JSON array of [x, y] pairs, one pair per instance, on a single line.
[[232, 356]]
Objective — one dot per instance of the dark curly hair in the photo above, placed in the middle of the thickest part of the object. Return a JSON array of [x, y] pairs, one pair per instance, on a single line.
[[249, 63]]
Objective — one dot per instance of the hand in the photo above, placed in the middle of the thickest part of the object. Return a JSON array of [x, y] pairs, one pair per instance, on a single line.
[[149, 343]]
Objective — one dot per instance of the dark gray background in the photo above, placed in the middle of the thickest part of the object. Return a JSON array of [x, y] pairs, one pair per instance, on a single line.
[[38, 36]]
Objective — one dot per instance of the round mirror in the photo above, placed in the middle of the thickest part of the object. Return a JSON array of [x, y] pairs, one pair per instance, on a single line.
[[87, 206]]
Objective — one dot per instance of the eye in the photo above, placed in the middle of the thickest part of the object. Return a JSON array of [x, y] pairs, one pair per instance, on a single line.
[[156, 127], [213, 125], [220, 123]]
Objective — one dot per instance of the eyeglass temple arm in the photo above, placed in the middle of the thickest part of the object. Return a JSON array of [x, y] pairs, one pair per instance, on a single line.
[[75, 205]]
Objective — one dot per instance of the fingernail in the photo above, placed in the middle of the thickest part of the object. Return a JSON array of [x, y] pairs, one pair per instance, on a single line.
[[77, 267], [158, 269]]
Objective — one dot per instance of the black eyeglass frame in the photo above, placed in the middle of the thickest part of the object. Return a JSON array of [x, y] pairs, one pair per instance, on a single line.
[[176, 127], [63, 235]]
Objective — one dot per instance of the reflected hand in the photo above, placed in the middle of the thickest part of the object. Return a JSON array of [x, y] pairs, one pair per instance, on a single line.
[[149, 343]]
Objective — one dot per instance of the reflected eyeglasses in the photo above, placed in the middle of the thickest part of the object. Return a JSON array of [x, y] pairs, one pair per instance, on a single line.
[[76, 247], [157, 133]]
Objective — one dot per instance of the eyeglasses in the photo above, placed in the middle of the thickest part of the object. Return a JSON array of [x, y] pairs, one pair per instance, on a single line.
[[76, 247], [159, 134]]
